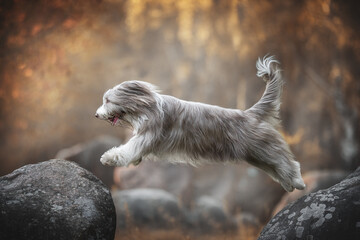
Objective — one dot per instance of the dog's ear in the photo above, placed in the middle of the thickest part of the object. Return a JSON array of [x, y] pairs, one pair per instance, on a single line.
[[136, 96], [137, 88]]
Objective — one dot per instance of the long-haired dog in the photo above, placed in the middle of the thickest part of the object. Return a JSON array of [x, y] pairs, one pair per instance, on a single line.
[[193, 132]]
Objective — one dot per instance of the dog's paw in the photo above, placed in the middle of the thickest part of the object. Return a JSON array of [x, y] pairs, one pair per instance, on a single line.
[[112, 158], [288, 187], [298, 183], [108, 160], [295, 183]]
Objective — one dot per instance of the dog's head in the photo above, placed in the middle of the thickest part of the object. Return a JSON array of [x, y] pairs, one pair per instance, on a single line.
[[127, 102]]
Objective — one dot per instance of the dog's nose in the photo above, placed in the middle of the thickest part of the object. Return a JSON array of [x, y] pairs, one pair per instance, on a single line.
[[96, 115]]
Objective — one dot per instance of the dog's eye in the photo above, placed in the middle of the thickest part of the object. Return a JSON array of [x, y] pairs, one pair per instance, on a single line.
[[107, 100]]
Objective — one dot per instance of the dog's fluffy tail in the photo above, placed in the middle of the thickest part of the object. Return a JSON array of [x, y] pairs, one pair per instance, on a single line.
[[267, 108]]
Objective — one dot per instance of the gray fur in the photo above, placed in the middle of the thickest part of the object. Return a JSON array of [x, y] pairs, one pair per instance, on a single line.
[[195, 133]]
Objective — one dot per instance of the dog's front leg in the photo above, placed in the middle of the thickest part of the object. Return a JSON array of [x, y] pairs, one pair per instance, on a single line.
[[124, 155]]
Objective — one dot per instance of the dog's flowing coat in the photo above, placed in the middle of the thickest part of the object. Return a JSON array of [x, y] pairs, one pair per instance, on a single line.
[[191, 132]]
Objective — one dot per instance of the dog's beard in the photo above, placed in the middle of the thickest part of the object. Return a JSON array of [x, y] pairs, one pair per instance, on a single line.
[[119, 120], [113, 120], [116, 119], [114, 115], [122, 123]]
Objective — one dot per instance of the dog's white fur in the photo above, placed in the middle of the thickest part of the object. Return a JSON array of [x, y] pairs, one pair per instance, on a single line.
[[192, 132]]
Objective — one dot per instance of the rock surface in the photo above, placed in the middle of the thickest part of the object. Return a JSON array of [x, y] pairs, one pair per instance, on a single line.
[[333, 213], [55, 199], [88, 154]]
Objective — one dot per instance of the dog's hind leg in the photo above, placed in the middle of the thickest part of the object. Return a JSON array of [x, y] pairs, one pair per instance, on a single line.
[[277, 161], [285, 172]]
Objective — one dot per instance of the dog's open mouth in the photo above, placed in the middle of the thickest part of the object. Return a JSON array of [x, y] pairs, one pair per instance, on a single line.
[[116, 118], [113, 120]]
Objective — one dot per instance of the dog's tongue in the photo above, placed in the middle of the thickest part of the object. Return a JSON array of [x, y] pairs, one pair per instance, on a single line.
[[115, 120]]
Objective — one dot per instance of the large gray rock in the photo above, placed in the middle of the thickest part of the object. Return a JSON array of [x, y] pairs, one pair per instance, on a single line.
[[150, 208], [55, 199], [333, 213], [88, 154]]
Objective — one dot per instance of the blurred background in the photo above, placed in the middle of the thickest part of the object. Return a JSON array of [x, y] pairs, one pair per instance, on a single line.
[[58, 57]]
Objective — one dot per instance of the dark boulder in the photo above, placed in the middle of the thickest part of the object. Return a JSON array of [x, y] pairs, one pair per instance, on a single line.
[[88, 154], [55, 199], [333, 213], [150, 208]]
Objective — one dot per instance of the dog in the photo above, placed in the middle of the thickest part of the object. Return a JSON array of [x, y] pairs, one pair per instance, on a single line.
[[190, 132]]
